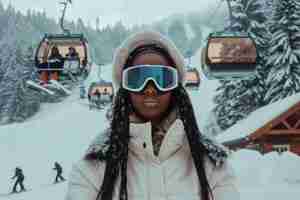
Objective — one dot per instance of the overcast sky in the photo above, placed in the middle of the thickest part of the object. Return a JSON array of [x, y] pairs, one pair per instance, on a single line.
[[110, 11]]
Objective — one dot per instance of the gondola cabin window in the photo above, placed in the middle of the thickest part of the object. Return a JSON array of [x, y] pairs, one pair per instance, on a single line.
[[191, 77], [102, 90]]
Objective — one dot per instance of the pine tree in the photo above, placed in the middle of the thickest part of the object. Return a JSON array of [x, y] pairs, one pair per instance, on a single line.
[[238, 98], [8, 69], [8, 45], [17, 101], [284, 60], [295, 28]]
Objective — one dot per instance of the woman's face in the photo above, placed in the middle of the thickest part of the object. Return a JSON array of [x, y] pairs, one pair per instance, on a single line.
[[148, 103]]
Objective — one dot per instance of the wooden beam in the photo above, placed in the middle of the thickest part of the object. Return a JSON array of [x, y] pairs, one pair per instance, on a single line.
[[273, 122], [284, 132], [286, 124], [297, 124]]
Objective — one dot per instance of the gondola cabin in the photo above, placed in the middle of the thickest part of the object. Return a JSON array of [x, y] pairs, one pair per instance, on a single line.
[[103, 89], [60, 56], [229, 56], [192, 78]]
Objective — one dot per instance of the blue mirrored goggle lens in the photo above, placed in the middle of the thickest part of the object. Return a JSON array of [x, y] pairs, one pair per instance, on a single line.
[[164, 77]]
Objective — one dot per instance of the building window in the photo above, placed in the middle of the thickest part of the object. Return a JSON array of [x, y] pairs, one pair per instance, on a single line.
[[281, 148]]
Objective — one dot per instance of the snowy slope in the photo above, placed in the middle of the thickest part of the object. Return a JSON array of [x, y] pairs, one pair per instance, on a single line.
[[271, 176], [42, 192], [59, 132]]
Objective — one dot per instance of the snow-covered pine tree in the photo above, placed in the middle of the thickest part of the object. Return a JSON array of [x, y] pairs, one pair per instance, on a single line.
[[17, 101], [269, 8], [284, 60], [238, 98], [27, 100], [8, 77], [295, 28], [8, 49]]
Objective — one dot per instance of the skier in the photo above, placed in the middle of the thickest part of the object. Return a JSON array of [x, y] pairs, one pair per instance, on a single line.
[[20, 178], [56, 61], [59, 170], [153, 148]]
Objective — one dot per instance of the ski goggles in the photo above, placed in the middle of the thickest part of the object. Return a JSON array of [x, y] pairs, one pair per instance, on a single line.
[[135, 78]]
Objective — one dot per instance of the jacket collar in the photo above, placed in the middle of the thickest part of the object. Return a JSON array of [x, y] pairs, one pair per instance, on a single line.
[[141, 139], [141, 144]]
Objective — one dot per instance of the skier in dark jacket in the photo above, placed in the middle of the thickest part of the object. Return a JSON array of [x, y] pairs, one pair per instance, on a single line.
[[20, 178], [59, 170]]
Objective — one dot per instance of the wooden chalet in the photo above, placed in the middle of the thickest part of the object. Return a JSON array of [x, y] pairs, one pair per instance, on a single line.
[[275, 127]]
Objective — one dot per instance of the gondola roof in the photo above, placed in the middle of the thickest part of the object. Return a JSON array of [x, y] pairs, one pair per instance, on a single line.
[[57, 38]]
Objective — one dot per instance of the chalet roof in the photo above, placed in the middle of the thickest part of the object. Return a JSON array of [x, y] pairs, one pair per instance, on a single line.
[[101, 83], [258, 118]]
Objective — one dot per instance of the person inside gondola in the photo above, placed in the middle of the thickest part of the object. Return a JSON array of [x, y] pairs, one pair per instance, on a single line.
[[105, 96], [72, 57], [97, 98], [72, 54], [56, 62], [55, 57], [97, 94]]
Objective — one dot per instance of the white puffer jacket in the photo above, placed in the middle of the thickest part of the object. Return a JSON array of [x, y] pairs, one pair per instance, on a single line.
[[170, 176]]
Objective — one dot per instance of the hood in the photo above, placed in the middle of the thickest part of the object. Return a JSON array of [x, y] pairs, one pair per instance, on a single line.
[[216, 152], [140, 39]]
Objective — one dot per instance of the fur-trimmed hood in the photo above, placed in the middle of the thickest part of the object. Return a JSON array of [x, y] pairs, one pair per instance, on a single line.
[[217, 153]]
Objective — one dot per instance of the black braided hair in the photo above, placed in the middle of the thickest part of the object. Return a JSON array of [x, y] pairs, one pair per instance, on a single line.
[[117, 155], [198, 150]]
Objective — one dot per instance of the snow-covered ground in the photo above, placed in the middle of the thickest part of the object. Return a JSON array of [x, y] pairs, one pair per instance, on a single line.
[[271, 176], [62, 131]]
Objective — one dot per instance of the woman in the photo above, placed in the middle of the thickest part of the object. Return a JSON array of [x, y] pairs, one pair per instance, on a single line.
[[72, 54], [55, 61], [153, 149], [55, 54]]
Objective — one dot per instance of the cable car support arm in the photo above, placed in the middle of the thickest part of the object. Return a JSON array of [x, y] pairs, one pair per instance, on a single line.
[[65, 4]]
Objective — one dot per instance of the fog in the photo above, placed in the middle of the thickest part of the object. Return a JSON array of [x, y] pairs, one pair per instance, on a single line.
[[109, 11]]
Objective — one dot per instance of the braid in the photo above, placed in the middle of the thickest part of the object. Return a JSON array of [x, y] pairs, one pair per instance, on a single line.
[[198, 151], [118, 150]]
